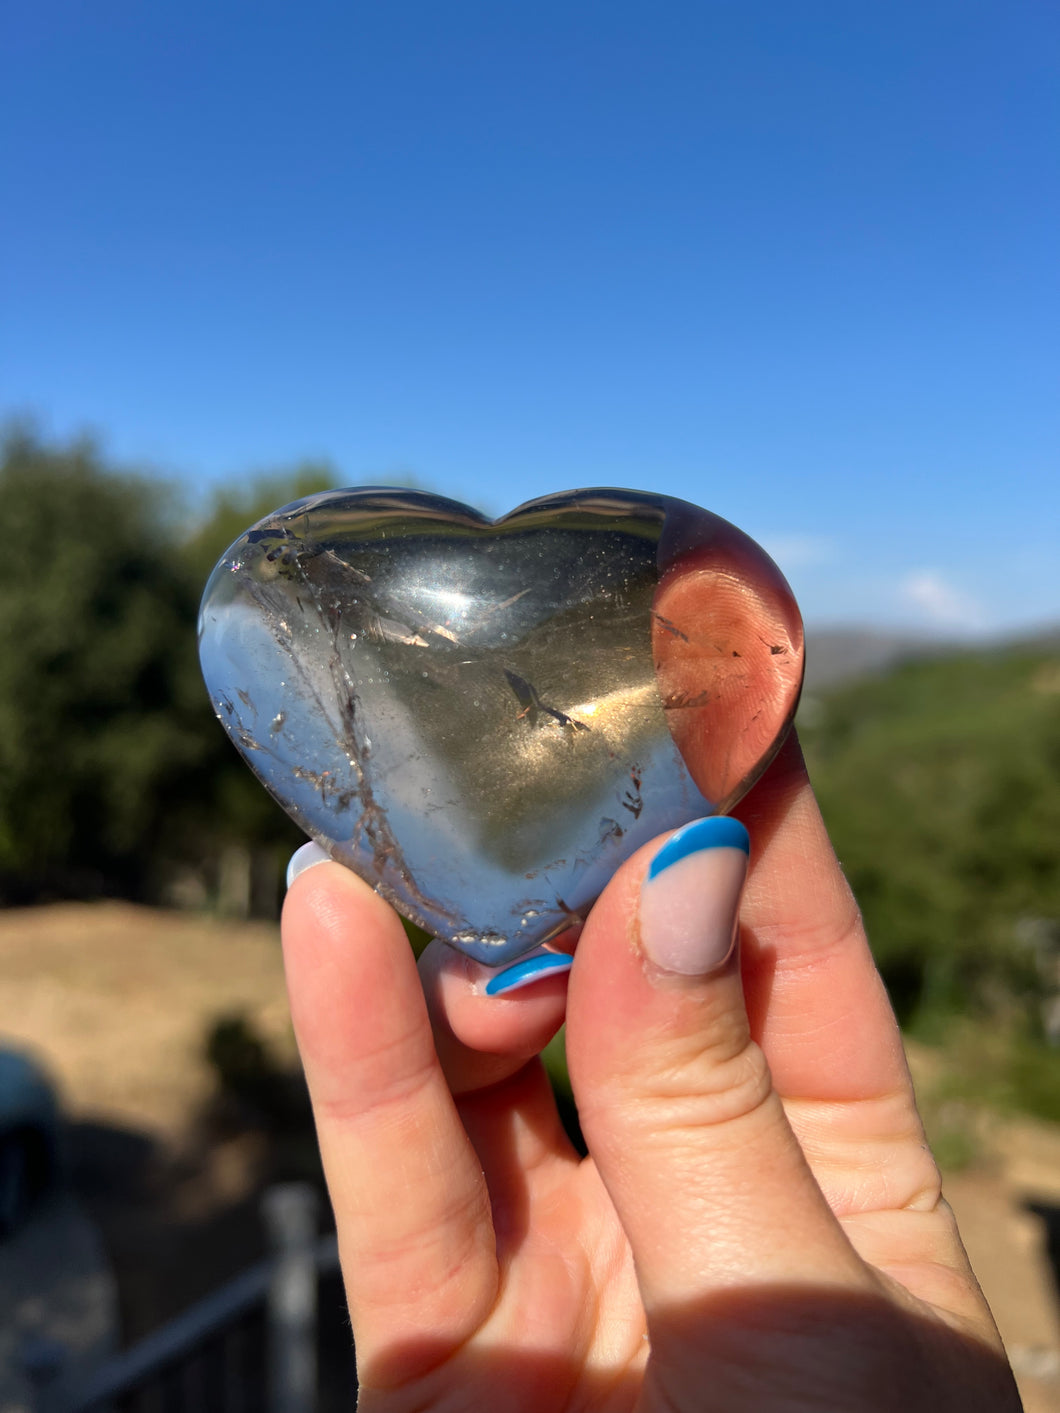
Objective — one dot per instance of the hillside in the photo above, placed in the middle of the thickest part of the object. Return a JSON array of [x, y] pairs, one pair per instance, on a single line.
[[838, 655], [940, 783]]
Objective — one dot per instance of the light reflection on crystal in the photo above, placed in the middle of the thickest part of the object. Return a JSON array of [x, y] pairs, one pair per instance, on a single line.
[[466, 714]]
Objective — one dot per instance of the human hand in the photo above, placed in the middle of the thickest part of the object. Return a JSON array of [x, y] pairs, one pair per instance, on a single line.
[[758, 1225]]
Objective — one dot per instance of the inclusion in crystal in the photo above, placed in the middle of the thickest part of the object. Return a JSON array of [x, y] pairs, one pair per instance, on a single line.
[[484, 719]]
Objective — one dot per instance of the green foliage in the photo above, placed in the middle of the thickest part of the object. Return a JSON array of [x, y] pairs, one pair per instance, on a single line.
[[98, 699], [977, 1073], [250, 1082], [940, 782], [239, 1057], [112, 767], [940, 785]]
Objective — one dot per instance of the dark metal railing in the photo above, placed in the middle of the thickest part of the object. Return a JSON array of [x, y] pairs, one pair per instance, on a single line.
[[251, 1347]]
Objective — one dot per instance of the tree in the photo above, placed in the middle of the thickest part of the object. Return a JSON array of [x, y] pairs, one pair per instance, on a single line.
[[112, 768], [940, 785], [98, 696]]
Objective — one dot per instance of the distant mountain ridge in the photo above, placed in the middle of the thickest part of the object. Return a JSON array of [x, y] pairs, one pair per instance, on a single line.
[[841, 654]]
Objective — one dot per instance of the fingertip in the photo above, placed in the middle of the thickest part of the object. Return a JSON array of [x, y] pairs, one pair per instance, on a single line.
[[690, 897], [336, 899], [528, 971], [303, 858], [676, 1102], [346, 957], [481, 1035]]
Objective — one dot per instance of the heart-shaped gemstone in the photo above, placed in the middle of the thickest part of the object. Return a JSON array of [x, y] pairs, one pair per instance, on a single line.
[[484, 719]]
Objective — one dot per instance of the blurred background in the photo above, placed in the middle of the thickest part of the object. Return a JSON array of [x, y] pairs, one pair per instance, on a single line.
[[793, 262]]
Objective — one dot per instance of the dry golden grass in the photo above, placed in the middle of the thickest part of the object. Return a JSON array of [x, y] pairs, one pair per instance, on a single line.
[[116, 1000]]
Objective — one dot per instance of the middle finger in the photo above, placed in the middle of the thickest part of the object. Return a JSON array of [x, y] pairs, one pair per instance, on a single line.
[[481, 1038]]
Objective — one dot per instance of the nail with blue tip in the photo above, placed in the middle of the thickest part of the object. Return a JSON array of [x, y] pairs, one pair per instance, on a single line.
[[526, 971], [690, 897]]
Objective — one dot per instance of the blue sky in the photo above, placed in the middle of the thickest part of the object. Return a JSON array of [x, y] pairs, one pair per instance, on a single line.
[[797, 262]]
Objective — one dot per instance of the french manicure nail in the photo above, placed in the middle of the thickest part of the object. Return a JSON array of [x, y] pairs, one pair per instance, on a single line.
[[690, 896], [306, 857], [528, 970]]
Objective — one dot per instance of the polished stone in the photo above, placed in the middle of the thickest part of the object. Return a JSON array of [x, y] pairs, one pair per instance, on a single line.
[[484, 719]]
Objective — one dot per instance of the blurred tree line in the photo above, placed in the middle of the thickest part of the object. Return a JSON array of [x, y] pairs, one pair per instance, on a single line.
[[114, 776], [940, 781], [940, 785]]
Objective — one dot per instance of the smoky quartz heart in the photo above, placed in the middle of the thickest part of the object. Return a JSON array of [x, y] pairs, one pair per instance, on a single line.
[[483, 719]]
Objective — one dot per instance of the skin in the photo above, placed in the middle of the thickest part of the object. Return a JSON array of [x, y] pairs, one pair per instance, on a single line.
[[759, 1224]]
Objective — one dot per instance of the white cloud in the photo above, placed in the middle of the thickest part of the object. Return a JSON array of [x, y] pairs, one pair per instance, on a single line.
[[941, 603]]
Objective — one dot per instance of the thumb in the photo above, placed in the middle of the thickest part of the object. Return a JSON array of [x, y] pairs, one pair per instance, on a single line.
[[676, 1101]]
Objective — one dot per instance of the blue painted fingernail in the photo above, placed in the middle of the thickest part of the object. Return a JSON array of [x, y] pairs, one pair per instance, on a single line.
[[691, 894], [527, 971], [717, 832]]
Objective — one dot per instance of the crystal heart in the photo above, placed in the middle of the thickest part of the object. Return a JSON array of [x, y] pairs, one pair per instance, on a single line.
[[484, 719]]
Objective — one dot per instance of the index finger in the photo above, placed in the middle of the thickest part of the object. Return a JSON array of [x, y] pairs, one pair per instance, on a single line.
[[732, 657], [816, 1001], [411, 1207]]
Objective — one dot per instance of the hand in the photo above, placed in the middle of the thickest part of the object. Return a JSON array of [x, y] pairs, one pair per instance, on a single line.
[[759, 1223]]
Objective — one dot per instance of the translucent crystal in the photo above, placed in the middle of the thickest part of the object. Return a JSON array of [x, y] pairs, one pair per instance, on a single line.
[[477, 717]]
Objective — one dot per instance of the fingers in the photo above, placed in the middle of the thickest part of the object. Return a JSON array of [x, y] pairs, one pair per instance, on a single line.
[[411, 1205], [819, 1009], [817, 1004], [675, 1098], [488, 1024], [815, 996], [488, 1046]]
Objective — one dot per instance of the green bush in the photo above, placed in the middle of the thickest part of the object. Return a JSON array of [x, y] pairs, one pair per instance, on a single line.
[[940, 785]]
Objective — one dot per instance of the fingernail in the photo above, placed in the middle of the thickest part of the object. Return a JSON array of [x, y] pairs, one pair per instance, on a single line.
[[306, 857], [690, 896], [528, 970]]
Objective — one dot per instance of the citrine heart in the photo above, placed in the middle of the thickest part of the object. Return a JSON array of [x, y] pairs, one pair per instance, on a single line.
[[484, 719]]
